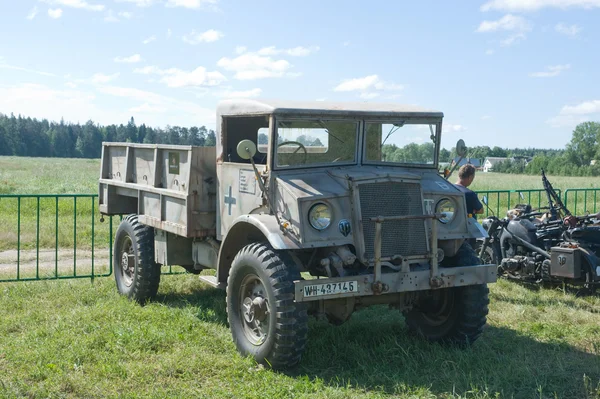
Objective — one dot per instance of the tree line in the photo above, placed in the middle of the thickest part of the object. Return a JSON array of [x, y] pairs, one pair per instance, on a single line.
[[41, 138]]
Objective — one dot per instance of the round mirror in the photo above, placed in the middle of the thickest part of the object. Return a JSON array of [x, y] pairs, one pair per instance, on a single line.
[[484, 199], [461, 148], [246, 149]]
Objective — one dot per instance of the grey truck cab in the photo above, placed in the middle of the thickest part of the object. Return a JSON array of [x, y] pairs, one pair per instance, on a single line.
[[304, 208]]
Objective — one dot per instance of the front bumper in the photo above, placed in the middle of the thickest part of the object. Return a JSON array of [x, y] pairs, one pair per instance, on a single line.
[[389, 283]]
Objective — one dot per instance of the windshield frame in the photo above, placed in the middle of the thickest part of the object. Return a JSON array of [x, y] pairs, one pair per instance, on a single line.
[[324, 118], [407, 121]]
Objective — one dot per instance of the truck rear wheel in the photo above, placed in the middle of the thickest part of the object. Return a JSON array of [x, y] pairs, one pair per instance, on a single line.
[[136, 273], [452, 315], [265, 321]]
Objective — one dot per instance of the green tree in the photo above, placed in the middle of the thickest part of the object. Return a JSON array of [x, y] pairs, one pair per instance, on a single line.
[[583, 146]]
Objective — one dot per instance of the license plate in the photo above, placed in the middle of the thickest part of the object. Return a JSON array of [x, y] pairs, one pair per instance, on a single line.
[[330, 288]]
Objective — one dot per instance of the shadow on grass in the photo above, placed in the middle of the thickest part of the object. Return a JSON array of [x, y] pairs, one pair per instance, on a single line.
[[374, 352]]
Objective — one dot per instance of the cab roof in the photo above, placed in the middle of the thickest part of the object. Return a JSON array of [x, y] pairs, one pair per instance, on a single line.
[[241, 107]]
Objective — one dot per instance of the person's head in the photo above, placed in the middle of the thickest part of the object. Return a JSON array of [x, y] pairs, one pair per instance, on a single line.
[[466, 174]]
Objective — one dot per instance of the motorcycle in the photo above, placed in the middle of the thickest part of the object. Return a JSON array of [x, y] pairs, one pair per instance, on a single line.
[[544, 245]]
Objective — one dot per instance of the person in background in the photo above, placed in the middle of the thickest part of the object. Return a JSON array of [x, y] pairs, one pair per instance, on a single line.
[[466, 175]]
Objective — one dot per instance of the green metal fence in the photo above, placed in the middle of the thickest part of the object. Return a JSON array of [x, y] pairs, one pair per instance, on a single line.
[[56, 236], [581, 201], [499, 201], [61, 236]]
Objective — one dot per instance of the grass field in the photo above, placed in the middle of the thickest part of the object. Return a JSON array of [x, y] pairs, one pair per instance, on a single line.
[[73, 338]]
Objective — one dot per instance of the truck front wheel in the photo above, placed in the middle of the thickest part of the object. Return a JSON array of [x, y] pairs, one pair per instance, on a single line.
[[452, 315], [136, 273], [265, 321]]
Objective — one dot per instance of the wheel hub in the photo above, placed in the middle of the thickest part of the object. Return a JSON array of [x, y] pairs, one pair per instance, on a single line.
[[255, 309]]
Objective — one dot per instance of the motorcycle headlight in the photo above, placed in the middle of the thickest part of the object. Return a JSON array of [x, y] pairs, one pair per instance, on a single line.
[[448, 208], [319, 216]]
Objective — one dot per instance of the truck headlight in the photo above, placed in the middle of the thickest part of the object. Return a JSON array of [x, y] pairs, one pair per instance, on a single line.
[[448, 208], [319, 216]]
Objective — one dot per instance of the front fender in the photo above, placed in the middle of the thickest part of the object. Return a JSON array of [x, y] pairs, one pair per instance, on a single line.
[[267, 224], [246, 230]]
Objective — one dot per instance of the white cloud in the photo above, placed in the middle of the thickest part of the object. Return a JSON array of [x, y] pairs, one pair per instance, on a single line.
[[32, 13], [100, 78], [569, 30], [129, 60], [346, 43], [110, 17], [55, 13], [534, 5], [489, 52], [508, 22], [125, 15], [169, 33], [584, 108], [571, 115], [43, 102], [149, 39], [512, 39], [453, 128], [81, 4], [367, 83], [174, 77], [320, 99], [194, 4], [170, 110], [551, 71], [298, 51], [71, 85], [18, 68], [485, 117], [241, 49], [209, 36], [250, 66]]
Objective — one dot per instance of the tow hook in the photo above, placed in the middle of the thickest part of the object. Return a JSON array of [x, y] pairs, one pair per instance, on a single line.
[[436, 282], [378, 288]]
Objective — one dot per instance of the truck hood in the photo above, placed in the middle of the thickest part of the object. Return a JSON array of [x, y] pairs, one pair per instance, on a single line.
[[337, 182]]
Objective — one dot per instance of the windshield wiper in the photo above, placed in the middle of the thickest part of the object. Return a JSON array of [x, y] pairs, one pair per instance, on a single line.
[[392, 130], [324, 126]]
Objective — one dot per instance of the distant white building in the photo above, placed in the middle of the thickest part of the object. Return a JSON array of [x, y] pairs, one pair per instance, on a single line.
[[490, 162]]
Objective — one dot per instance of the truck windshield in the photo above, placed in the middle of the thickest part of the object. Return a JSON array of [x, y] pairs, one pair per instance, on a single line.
[[400, 142], [314, 142]]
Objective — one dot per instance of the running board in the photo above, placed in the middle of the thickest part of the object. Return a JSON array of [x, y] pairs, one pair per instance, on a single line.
[[212, 280]]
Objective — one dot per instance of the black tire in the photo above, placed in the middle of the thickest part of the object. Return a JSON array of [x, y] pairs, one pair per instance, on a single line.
[[452, 315], [274, 328], [136, 273]]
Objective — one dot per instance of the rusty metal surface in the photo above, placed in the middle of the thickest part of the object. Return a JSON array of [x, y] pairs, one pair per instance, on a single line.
[[404, 282]]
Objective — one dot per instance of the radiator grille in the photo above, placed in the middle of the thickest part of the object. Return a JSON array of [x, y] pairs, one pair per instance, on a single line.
[[406, 237]]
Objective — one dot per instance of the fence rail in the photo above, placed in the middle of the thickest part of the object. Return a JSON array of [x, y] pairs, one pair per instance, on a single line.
[[56, 236], [503, 200], [60, 236]]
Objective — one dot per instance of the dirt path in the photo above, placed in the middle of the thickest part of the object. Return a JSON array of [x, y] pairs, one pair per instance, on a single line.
[[47, 260]]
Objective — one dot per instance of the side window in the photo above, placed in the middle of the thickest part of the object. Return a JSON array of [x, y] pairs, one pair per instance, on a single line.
[[262, 141], [238, 128]]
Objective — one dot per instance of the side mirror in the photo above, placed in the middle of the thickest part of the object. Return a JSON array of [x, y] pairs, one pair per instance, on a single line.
[[461, 148], [521, 195], [484, 199], [246, 149]]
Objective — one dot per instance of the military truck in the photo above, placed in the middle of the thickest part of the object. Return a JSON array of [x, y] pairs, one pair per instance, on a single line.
[[303, 208]]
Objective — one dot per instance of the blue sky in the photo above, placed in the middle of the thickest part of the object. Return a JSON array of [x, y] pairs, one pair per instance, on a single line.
[[512, 73]]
